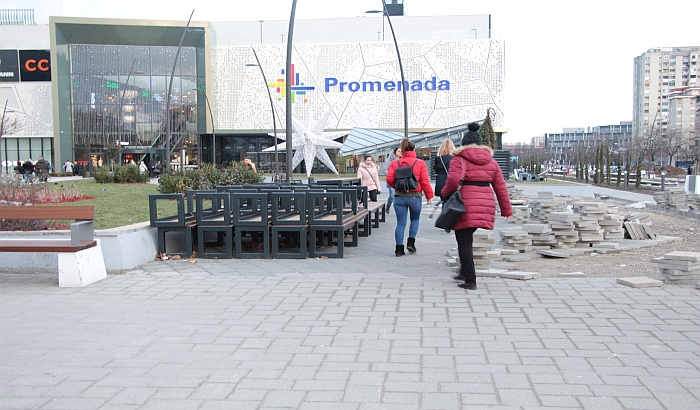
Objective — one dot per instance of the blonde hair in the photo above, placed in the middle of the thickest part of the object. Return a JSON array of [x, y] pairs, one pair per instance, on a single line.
[[446, 147]]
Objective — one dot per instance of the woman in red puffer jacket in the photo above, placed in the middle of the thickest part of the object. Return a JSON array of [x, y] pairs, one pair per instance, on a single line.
[[474, 171], [410, 202]]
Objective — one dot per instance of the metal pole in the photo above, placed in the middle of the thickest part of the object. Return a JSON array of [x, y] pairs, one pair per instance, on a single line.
[[170, 89], [403, 80], [272, 107], [288, 92], [261, 31], [213, 130]]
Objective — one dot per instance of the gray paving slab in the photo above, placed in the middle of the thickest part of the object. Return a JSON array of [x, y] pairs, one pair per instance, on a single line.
[[367, 331]]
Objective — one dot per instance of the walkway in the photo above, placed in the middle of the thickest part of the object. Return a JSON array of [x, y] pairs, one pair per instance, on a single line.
[[370, 331]]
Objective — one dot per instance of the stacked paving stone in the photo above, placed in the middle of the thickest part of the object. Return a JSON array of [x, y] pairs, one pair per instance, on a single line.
[[521, 212], [612, 225], [482, 245], [516, 239], [672, 198], [541, 208], [681, 268], [515, 193], [565, 233], [542, 236], [589, 230], [482, 249]]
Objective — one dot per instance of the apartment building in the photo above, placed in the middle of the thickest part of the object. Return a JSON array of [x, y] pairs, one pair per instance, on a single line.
[[658, 73]]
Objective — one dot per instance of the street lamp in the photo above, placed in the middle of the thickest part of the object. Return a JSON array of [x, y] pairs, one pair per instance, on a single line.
[[170, 90], [288, 92], [213, 131], [398, 54], [374, 12], [272, 107]]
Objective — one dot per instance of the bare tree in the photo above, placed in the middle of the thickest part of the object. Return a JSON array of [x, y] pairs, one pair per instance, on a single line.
[[10, 125], [672, 145]]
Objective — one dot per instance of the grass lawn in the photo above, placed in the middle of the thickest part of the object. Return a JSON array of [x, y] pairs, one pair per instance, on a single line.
[[115, 204], [126, 204]]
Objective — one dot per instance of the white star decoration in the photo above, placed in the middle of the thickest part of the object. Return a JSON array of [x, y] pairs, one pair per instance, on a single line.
[[309, 141]]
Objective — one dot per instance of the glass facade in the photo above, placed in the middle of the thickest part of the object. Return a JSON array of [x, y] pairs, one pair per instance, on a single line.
[[119, 94]]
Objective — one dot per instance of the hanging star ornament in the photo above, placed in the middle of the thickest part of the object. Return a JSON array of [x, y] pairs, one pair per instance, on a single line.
[[310, 141]]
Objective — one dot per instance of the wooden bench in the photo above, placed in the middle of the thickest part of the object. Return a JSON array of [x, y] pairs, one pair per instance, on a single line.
[[377, 210], [80, 260]]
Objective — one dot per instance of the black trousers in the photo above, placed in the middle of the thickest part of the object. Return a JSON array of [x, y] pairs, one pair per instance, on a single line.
[[465, 239]]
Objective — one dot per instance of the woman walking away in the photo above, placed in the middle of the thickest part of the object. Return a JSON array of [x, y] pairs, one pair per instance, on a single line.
[[369, 177], [410, 201], [474, 172], [442, 164], [393, 156]]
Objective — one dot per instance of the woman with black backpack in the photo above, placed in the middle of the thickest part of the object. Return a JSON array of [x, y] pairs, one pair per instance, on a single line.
[[409, 178]]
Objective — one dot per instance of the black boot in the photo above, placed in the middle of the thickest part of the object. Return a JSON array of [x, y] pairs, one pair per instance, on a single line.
[[411, 246], [399, 250]]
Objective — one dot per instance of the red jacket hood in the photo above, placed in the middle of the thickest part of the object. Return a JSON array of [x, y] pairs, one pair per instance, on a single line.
[[477, 154]]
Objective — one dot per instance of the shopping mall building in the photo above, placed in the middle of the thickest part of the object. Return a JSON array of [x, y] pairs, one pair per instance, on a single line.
[[78, 86]]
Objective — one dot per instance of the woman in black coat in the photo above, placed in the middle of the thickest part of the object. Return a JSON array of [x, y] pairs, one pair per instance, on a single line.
[[442, 165]]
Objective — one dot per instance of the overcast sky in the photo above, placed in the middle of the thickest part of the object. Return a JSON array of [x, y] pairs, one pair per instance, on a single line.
[[568, 64]]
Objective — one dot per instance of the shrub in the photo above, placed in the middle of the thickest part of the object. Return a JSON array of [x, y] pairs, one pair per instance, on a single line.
[[121, 174], [206, 177]]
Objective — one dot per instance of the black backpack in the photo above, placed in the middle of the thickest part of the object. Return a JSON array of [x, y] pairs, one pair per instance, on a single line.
[[405, 178]]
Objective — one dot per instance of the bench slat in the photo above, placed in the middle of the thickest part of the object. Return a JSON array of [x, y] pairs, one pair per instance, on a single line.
[[75, 213], [43, 245]]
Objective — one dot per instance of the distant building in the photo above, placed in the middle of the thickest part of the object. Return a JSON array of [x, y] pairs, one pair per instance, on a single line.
[[561, 145], [682, 110], [657, 73], [538, 141]]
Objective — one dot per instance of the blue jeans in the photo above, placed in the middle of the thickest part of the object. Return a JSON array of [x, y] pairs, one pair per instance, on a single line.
[[402, 206], [391, 197]]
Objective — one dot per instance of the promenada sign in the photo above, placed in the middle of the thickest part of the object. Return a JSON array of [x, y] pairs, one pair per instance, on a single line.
[[332, 84]]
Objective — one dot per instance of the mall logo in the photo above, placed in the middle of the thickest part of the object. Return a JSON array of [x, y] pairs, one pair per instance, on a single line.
[[353, 86], [298, 87]]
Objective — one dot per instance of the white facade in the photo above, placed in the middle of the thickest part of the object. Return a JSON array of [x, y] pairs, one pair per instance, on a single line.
[[451, 83]]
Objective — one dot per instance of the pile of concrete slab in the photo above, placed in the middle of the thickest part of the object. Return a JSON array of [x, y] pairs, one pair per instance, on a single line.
[[482, 248], [542, 236], [589, 230], [681, 268], [672, 198], [636, 229], [516, 239], [515, 193], [612, 224], [541, 208], [565, 233], [521, 212]]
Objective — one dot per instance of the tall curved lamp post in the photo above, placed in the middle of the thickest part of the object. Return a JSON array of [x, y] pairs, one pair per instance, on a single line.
[[213, 130], [288, 92], [398, 54], [170, 89], [272, 107]]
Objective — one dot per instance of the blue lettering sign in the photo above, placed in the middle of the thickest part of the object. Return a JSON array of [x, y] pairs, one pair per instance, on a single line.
[[415, 85]]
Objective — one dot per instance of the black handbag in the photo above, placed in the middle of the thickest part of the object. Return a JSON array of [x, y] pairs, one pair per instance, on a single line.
[[452, 211]]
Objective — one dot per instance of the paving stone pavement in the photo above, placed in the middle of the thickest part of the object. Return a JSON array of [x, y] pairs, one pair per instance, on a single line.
[[370, 331]]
